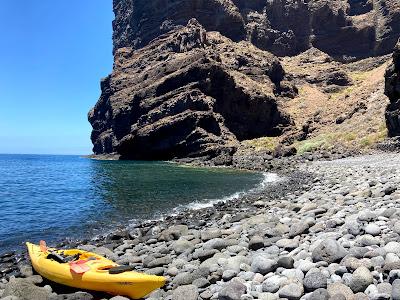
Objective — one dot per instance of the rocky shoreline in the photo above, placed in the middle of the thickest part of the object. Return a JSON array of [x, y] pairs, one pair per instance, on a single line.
[[329, 230]]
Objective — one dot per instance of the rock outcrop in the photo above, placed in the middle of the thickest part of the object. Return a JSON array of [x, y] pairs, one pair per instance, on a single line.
[[188, 93], [392, 90], [195, 78], [346, 29]]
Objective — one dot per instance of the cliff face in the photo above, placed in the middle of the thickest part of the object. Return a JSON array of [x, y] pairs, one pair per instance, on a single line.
[[353, 28], [188, 93], [195, 78], [392, 90]]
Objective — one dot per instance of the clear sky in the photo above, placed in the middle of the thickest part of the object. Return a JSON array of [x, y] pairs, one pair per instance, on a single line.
[[53, 54]]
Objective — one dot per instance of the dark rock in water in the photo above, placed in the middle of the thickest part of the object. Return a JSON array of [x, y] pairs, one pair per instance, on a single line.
[[6, 255], [188, 93], [392, 90]]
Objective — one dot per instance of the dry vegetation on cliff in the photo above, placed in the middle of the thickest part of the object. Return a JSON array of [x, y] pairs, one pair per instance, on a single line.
[[339, 105]]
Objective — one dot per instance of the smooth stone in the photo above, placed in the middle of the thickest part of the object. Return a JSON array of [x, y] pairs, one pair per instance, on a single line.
[[287, 244], [181, 246], [203, 254], [267, 296], [229, 274], [372, 229], [361, 279], [210, 234], [328, 250], [286, 262], [384, 288], [396, 289], [79, 296], [256, 242], [25, 270], [393, 275], [360, 296], [206, 294], [315, 280], [371, 291], [263, 265], [185, 292], [354, 227], [298, 229], [339, 288], [366, 216], [396, 227], [201, 282], [368, 240], [391, 258], [232, 291], [319, 294], [174, 232], [392, 247], [25, 290], [305, 265], [273, 284], [219, 243], [291, 291], [293, 274]]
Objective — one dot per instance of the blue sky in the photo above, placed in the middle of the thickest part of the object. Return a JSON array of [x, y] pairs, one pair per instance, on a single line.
[[53, 54]]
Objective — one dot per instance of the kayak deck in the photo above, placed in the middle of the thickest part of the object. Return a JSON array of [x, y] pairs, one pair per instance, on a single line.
[[95, 276]]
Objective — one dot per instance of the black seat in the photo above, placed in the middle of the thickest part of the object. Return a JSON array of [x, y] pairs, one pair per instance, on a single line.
[[120, 269]]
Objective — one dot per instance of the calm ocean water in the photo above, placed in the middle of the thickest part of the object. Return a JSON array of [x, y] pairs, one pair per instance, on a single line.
[[53, 197]]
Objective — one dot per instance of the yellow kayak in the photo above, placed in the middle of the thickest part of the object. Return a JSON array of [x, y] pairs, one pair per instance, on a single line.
[[90, 271]]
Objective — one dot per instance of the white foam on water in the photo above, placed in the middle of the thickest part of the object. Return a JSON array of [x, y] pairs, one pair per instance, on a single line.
[[268, 179]]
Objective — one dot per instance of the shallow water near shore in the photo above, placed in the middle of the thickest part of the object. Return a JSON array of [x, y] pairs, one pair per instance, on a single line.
[[53, 197]]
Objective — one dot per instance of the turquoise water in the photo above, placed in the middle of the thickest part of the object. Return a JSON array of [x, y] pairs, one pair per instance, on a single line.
[[53, 197]]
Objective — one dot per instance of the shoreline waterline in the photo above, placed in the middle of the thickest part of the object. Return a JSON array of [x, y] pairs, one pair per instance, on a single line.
[[114, 197]]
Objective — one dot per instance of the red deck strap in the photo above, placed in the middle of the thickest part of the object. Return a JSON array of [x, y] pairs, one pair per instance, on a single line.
[[79, 267]]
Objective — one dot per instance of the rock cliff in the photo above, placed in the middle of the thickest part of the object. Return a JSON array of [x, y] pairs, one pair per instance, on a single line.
[[392, 90], [188, 93], [347, 29], [197, 78]]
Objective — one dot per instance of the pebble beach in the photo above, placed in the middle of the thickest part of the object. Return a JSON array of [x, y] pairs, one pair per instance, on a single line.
[[326, 230]]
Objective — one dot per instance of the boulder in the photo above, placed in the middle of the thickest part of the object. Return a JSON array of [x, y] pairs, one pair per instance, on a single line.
[[232, 291], [329, 250], [315, 280], [361, 279], [25, 290], [263, 265], [185, 292]]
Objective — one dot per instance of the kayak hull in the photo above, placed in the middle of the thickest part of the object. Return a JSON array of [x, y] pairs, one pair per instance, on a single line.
[[132, 284]]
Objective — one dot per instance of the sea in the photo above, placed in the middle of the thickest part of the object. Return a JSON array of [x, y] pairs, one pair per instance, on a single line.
[[53, 197]]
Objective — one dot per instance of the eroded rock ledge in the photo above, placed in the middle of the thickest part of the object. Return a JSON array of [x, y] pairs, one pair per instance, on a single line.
[[189, 93], [392, 90]]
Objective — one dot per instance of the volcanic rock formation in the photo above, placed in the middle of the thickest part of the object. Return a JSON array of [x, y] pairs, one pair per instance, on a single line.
[[392, 90], [188, 93], [347, 29], [195, 78]]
